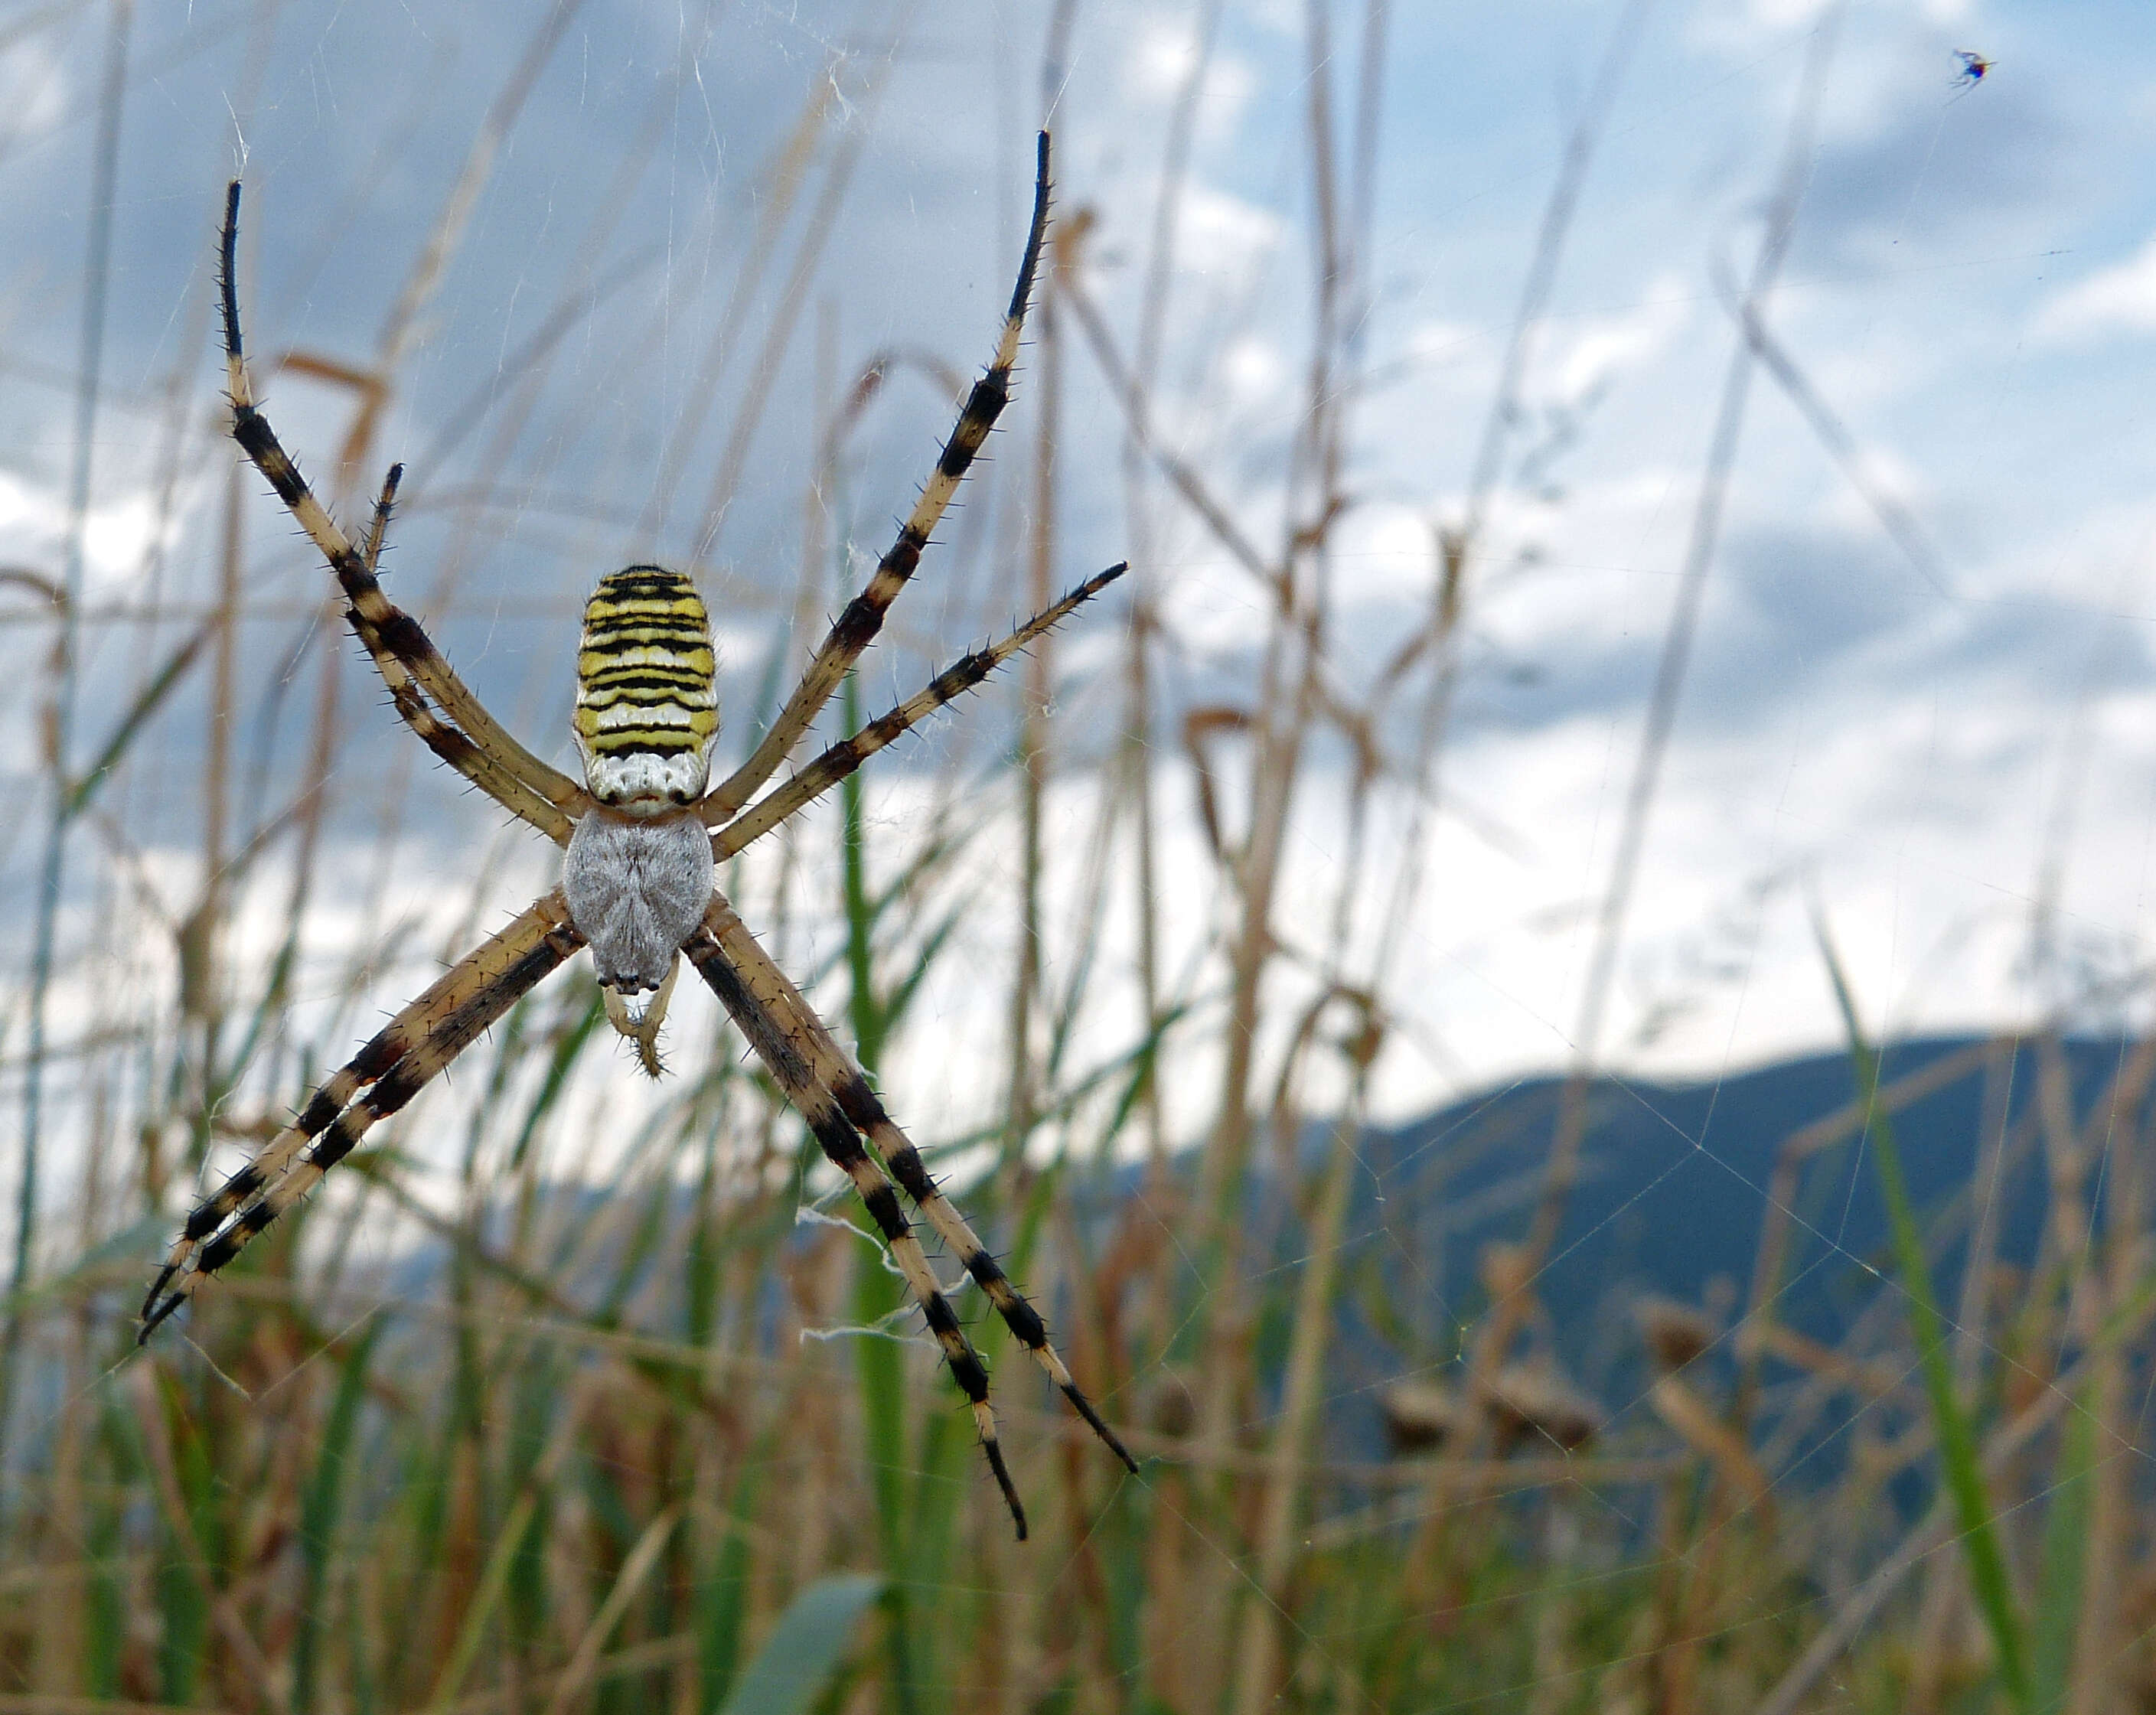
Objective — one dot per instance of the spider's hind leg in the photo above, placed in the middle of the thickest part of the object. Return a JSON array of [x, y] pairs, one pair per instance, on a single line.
[[829, 1066], [385, 1075], [902, 1159], [777, 1042]]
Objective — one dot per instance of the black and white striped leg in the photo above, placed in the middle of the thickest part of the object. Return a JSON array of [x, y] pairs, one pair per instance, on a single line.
[[783, 1056], [789, 1018], [421, 682], [848, 754], [862, 617], [392, 1068]]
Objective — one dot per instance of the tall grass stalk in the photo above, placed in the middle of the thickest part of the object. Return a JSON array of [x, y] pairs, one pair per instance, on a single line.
[[1961, 1471], [97, 271], [569, 1394], [1792, 175]]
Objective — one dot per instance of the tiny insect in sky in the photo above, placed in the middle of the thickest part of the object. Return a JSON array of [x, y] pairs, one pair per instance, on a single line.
[[1973, 66]]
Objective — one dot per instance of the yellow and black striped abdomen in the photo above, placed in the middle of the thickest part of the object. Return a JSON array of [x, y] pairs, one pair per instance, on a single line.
[[647, 707]]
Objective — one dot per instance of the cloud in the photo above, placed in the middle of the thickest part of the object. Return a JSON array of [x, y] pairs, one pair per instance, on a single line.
[[35, 91], [2120, 298], [1159, 57], [1595, 350], [1226, 234], [117, 533], [1788, 607], [1157, 61], [1922, 175]]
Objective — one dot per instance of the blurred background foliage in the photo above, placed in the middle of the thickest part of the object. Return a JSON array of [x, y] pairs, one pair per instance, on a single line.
[[1818, 1390]]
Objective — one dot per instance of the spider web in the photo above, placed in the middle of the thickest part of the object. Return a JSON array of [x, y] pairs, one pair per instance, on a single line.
[[1540, 872]]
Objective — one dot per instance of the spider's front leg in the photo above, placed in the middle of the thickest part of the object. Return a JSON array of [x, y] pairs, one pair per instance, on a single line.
[[842, 758], [436, 704], [856, 627]]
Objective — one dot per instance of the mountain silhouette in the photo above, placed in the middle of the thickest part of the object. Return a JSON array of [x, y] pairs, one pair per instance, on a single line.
[[1676, 1183]]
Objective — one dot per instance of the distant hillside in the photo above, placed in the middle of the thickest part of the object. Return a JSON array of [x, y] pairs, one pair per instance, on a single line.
[[1671, 1202], [1672, 1196]]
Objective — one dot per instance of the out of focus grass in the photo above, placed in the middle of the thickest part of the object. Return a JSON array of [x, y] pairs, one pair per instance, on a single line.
[[589, 1459], [639, 1421]]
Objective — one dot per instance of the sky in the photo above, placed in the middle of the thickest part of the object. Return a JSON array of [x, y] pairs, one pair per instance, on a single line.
[[1948, 754]]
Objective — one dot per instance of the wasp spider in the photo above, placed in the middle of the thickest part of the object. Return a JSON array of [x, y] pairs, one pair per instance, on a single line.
[[643, 834]]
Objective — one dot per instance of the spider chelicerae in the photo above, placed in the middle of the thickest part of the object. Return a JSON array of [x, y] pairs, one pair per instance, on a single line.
[[643, 834]]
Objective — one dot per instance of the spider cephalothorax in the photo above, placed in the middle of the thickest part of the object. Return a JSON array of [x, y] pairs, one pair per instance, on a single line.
[[638, 887]]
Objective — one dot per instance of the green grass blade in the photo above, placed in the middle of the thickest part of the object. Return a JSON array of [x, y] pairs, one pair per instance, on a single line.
[[184, 1580], [879, 1365], [1956, 1437], [902, 992], [132, 721], [944, 1457], [320, 1506], [880, 1368], [805, 1649], [867, 1009], [568, 1047], [494, 1580], [109, 1612], [722, 1599], [538, 1390], [2059, 1591], [644, 1243], [703, 1248]]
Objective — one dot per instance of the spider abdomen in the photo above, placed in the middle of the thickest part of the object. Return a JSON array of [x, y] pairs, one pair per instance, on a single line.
[[638, 887], [647, 705]]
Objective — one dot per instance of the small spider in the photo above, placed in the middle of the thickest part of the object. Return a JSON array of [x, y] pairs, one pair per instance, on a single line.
[[1973, 67]]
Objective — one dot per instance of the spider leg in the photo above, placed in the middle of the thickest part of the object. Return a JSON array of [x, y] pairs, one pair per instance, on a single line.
[[778, 1043], [392, 1068], [848, 754], [440, 735], [409, 664], [787, 1015], [378, 528], [856, 627]]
